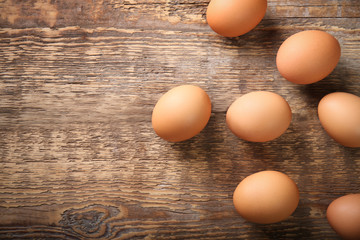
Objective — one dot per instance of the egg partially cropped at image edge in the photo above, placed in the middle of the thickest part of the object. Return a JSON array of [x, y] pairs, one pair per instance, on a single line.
[[266, 197], [339, 114], [181, 113], [343, 215], [259, 116], [232, 18], [308, 56]]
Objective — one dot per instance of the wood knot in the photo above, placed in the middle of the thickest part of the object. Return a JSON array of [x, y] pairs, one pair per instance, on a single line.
[[91, 221]]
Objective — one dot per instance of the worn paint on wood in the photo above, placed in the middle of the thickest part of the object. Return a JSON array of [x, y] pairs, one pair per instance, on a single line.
[[79, 158]]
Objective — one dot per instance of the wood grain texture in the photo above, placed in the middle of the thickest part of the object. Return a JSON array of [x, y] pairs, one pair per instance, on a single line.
[[79, 158]]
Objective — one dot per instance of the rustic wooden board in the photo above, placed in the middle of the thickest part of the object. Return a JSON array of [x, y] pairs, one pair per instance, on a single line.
[[79, 158]]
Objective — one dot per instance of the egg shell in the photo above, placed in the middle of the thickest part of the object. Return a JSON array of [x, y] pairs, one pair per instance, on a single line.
[[181, 113], [266, 197], [339, 114], [259, 116], [343, 215], [308, 56], [232, 18]]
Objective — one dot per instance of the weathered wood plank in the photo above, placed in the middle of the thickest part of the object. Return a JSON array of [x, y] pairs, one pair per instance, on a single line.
[[117, 13]]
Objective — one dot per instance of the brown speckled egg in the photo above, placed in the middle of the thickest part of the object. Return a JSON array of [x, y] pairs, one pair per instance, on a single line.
[[308, 56], [232, 18], [339, 114], [259, 116], [266, 197], [343, 215], [181, 113]]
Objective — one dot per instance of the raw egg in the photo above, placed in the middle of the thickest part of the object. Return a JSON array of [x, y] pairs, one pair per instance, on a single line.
[[259, 116], [181, 113], [343, 215], [308, 56], [266, 197], [339, 114], [232, 18]]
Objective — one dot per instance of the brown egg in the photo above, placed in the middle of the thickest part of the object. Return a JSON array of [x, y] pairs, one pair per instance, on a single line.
[[307, 57], [266, 197], [181, 113], [259, 116], [232, 18], [343, 215], [339, 114]]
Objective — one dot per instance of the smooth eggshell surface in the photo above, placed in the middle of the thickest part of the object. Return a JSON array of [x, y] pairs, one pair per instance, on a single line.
[[308, 56], [259, 116], [339, 114], [232, 18], [266, 197], [343, 215], [181, 113]]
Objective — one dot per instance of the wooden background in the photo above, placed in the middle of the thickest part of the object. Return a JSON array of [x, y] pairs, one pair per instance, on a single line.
[[79, 158]]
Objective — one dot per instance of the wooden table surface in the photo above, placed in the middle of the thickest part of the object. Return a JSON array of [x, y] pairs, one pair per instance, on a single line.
[[79, 157]]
